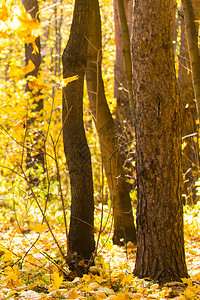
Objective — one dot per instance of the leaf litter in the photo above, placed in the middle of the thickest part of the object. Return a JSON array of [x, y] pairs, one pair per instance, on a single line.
[[34, 271]]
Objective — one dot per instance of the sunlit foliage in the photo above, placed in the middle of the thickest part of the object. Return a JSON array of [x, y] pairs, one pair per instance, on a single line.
[[21, 221]]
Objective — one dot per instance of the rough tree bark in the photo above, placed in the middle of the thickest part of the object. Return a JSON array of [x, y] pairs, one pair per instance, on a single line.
[[160, 241], [81, 234], [123, 218]]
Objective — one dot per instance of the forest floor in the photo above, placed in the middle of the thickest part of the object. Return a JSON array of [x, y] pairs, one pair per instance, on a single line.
[[27, 272]]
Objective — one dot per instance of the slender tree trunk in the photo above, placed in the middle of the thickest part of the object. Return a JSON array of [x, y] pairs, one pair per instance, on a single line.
[[81, 234], [160, 248], [123, 121], [56, 50], [192, 38], [190, 158], [34, 159], [123, 218], [126, 51]]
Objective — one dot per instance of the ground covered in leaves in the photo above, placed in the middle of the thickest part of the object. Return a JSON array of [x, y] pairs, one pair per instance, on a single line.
[[31, 266]]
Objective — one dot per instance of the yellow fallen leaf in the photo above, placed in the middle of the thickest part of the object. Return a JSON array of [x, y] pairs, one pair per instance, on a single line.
[[39, 228], [190, 292], [57, 280], [186, 280], [12, 278], [127, 279]]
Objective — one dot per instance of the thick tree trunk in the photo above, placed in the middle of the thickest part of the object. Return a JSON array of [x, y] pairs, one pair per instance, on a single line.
[[190, 158], [81, 234], [123, 218], [34, 158], [160, 249]]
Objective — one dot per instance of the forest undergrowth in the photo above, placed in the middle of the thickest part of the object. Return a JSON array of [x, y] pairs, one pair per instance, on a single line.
[[32, 268]]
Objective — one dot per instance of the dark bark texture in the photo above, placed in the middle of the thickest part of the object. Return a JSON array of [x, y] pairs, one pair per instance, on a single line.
[[124, 228], [81, 234], [160, 248]]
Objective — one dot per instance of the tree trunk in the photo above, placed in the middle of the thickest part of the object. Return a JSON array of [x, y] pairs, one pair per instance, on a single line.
[[192, 38], [34, 159], [160, 248], [126, 51], [81, 234], [123, 121], [190, 158], [123, 218]]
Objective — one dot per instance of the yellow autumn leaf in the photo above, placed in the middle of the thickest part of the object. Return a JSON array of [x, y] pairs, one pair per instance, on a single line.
[[99, 279], [39, 228], [7, 257], [127, 279], [190, 292], [186, 280], [57, 280], [64, 82], [87, 278], [35, 48], [12, 275], [29, 68]]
